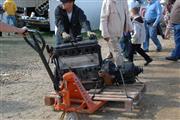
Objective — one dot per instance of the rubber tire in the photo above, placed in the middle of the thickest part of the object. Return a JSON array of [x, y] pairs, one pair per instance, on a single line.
[[75, 116]]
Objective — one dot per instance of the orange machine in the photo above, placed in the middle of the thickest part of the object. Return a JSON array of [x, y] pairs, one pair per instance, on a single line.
[[75, 97]]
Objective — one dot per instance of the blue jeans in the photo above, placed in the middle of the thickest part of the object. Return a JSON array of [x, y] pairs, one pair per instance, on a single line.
[[59, 39], [11, 18], [151, 32], [176, 52]]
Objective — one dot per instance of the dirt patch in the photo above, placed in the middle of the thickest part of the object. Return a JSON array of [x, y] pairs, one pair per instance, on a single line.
[[24, 83]]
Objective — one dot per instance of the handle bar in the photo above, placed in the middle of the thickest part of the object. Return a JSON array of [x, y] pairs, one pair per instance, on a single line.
[[37, 42]]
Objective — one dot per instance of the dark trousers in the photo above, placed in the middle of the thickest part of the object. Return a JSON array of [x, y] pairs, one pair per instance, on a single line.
[[137, 48], [176, 52], [126, 44]]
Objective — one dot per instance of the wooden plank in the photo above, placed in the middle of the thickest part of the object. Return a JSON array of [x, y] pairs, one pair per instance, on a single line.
[[123, 99], [132, 86], [122, 89], [127, 85], [106, 91], [119, 89], [113, 96], [127, 103], [94, 91], [111, 92], [137, 88], [49, 100], [117, 93]]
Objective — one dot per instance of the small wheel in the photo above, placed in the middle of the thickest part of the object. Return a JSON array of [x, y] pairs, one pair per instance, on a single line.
[[71, 116], [74, 116]]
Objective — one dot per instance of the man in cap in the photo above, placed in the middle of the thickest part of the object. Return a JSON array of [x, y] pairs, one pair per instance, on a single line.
[[69, 20]]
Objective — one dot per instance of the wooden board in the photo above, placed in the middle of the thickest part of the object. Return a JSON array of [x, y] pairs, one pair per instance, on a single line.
[[117, 94]]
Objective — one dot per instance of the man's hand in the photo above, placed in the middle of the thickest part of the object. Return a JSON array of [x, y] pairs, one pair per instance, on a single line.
[[91, 35], [106, 39], [22, 31], [66, 36]]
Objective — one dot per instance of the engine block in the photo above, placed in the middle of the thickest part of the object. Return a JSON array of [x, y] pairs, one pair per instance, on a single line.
[[83, 58]]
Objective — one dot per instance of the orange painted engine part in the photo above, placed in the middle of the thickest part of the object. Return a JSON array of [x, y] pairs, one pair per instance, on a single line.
[[75, 98]]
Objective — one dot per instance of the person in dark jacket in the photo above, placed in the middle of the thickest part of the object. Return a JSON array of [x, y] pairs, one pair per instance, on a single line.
[[69, 20]]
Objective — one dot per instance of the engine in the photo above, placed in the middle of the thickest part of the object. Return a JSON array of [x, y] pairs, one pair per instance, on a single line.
[[83, 58]]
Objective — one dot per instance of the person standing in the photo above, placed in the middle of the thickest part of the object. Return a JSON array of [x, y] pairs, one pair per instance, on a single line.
[[175, 20], [115, 20], [138, 36], [10, 8], [152, 19], [69, 20]]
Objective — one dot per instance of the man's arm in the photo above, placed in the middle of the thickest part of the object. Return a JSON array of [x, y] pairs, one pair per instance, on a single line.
[[159, 13], [59, 20], [83, 20], [7, 28]]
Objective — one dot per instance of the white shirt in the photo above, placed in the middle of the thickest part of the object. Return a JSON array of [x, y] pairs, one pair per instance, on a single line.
[[139, 32], [69, 14]]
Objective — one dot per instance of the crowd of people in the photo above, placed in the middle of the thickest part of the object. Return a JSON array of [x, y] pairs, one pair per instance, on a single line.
[[153, 16], [125, 25]]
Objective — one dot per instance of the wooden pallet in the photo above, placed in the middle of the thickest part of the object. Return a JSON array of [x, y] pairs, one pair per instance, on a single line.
[[117, 94]]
